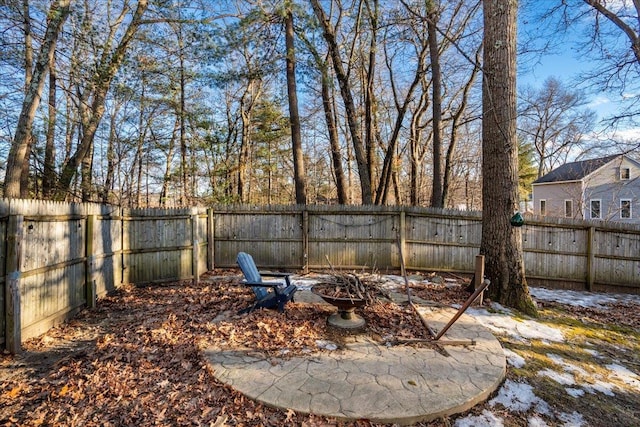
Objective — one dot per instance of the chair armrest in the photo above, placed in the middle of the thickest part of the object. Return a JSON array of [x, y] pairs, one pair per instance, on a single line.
[[264, 284], [277, 274]]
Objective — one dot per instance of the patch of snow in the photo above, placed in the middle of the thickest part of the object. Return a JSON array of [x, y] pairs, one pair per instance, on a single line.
[[521, 329], [327, 345], [536, 421], [306, 283], [625, 375], [501, 308], [519, 397], [592, 352], [513, 358], [559, 377], [574, 392], [581, 298], [573, 419], [600, 387], [569, 367], [486, 419]]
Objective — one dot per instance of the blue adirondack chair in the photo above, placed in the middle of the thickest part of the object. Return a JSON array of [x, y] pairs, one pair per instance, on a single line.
[[268, 294]]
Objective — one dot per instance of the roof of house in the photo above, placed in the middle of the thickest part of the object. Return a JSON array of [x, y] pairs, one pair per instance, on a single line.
[[575, 170]]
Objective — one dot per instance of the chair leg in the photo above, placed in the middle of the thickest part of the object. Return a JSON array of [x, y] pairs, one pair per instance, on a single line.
[[248, 309]]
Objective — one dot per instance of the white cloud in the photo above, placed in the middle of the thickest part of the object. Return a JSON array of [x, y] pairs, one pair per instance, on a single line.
[[598, 101]]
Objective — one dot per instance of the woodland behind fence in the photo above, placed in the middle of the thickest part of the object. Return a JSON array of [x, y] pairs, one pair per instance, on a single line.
[[60, 257]]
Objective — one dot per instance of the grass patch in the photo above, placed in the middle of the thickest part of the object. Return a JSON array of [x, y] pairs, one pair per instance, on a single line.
[[594, 372]]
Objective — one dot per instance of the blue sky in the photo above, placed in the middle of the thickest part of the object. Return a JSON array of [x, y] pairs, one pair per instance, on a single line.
[[565, 63]]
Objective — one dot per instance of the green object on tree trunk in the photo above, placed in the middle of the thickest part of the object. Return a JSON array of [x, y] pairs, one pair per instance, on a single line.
[[517, 220]]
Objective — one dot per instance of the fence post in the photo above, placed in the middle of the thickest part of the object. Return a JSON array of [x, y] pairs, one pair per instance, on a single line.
[[13, 325], [210, 240], [479, 276], [124, 243], [305, 240], [89, 282], [591, 258], [402, 234], [195, 254], [118, 274]]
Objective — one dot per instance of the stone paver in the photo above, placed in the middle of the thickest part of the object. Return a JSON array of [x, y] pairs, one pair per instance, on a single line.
[[396, 384]]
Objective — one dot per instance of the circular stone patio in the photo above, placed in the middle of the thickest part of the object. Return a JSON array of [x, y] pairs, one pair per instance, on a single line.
[[365, 380]]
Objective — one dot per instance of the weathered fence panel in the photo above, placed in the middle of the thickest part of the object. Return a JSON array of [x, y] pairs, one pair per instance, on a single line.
[[51, 265], [555, 252], [353, 239], [158, 244], [446, 241], [617, 260], [104, 249], [274, 238]]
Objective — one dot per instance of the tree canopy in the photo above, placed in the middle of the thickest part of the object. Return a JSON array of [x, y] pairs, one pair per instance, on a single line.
[[156, 103]]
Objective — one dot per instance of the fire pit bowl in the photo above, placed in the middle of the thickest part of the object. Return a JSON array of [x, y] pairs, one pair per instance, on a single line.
[[346, 317]]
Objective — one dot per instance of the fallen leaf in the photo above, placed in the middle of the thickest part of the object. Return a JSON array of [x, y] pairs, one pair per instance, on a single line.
[[14, 392]]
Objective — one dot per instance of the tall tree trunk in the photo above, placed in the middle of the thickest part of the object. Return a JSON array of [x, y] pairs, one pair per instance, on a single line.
[[86, 181], [108, 181], [370, 123], [436, 87], [92, 115], [501, 243], [349, 105], [455, 124], [299, 175], [185, 194], [49, 176], [28, 74], [390, 157], [28, 44], [334, 141], [58, 14], [164, 192], [331, 120]]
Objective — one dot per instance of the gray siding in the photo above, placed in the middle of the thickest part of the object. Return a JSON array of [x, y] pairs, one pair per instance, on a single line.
[[603, 184], [555, 196]]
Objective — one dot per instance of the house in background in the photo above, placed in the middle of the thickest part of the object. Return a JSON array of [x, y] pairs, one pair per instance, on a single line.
[[606, 188]]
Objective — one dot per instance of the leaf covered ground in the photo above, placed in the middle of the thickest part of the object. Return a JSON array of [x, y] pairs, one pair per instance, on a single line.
[[136, 360]]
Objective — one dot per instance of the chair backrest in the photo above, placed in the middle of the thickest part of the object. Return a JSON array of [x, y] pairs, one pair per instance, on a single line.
[[251, 273]]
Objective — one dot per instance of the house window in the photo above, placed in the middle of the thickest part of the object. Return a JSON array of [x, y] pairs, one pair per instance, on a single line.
[[543, 207], [595, 209], [625, 173], [625, 208], [568, 208]]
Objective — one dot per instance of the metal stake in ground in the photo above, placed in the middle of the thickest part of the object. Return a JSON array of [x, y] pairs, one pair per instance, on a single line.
[[462, 309]]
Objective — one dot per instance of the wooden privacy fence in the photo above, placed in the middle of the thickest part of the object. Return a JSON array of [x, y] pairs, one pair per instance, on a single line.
[[558, 252], [59, 257]]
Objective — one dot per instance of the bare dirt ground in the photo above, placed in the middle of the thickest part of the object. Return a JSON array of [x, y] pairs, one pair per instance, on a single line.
[[136, 360]]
